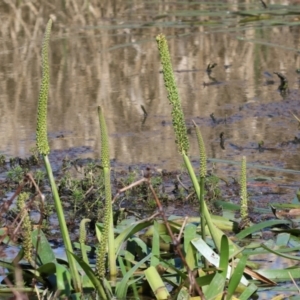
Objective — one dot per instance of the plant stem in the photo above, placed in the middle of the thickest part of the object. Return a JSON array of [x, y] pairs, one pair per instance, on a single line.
[[214, 231], [63, 227], [202, 203]]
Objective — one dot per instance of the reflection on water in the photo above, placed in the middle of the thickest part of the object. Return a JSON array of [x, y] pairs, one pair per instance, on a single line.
[[105, 54]]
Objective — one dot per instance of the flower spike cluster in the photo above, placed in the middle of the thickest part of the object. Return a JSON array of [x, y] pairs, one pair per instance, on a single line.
[[173, 95], [41, 131]]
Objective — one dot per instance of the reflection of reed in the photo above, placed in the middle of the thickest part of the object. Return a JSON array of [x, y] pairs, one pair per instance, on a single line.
[[85, 74]]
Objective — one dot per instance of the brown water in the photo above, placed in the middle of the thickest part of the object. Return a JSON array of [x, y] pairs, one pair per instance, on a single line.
[[106, 54]]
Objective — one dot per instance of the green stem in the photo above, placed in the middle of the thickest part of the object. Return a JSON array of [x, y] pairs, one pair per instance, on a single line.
[[214, 231], [203, 223], [63, 227], [202, 203]]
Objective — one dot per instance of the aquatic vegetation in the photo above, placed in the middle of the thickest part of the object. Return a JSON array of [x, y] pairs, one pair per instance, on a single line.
[[182, 139], [181, 134], [244, 195], [107, 238], [41, 129], [16, 174], [82, 239], [173, 96], [44, 150], [153, 255], [2, 160], [26, 226], [203, 173]]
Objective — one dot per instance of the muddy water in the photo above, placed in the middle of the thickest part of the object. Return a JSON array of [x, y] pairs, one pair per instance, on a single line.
[[106, 55]]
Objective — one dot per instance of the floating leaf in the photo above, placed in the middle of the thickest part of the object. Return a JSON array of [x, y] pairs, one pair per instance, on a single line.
[[260, 226], [281, 274], [282, 239], [293, 257]]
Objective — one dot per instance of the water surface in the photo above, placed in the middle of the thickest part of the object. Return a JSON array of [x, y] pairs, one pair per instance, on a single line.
[[107, 55]]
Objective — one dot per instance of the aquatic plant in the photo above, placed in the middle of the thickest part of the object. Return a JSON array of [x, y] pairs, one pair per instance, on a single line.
[[220, 282], [44, 150], [41, 127], [107, 240], [203, 170], [82, 239], [181, 133], [173, 96], [26, 226], [15, 174], [244, 194]]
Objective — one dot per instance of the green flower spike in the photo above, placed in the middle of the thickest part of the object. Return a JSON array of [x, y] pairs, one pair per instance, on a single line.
[[202, 151], [44, 150], [82, 238], [203, 170], [41, 131], [244, 196], [107, 240], [104, 140], [173, 96], [26, 226]]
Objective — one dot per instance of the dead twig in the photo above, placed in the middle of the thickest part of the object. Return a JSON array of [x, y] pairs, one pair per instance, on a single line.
[[124, 189]]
